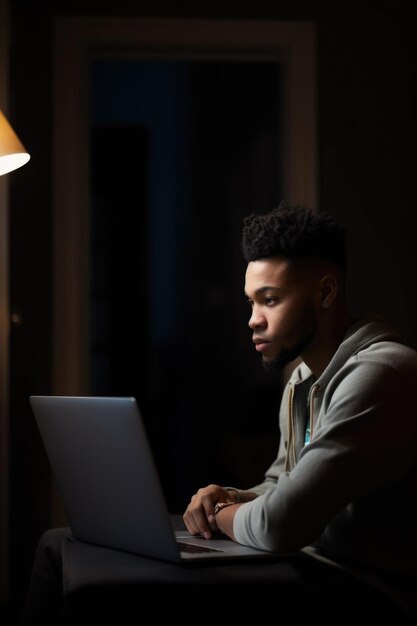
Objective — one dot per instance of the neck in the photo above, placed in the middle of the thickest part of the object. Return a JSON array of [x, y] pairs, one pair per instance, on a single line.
[[331, 330]]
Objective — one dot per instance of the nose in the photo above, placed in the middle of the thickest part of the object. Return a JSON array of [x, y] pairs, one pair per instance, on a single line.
[[256, 320]]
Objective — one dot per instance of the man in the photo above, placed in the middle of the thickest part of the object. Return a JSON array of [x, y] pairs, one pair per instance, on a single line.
[[338, 500], [342, 488]]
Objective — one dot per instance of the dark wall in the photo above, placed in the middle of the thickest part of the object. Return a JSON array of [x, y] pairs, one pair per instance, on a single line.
[[367, 133], [367, 104]]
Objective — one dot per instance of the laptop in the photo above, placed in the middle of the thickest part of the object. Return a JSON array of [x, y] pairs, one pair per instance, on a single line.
[[103, 465]]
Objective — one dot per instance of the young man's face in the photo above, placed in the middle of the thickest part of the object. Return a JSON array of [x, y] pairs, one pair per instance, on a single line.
[[282, 296]]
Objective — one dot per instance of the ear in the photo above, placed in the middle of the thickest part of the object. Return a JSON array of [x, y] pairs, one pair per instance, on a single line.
[[328, 290]]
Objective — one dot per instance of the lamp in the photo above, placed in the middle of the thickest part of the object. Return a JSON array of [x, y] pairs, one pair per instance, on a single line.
[[12, 153]]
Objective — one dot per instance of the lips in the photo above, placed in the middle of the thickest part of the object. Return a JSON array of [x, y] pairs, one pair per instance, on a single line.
[[260, 344]]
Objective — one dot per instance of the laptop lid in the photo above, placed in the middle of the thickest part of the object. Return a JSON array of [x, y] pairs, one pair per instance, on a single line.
[[102, 461]]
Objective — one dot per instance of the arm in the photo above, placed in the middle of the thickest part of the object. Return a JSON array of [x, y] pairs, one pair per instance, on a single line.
[[364, 440]]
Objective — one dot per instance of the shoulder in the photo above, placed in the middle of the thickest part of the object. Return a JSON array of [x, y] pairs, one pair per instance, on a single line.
[[391, 353], [378, 376], [389, 362]]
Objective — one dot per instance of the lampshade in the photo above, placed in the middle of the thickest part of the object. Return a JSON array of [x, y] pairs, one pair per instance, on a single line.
[[12, 153]]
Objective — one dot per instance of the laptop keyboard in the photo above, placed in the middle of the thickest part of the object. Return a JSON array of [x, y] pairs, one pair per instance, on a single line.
[[194, 549]]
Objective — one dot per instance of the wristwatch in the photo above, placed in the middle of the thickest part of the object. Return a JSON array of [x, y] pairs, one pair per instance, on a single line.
[[222, 505]]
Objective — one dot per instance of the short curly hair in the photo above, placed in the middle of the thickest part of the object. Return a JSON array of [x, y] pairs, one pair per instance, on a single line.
[[294, 232]]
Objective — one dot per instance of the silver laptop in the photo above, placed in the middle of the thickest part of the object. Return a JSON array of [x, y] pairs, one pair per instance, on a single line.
[[102, 462]]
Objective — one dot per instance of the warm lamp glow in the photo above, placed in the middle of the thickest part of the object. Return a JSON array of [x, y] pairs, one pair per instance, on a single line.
[[12, 153]]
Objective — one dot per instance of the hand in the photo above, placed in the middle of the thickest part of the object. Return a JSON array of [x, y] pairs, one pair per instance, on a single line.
[[199, 514]]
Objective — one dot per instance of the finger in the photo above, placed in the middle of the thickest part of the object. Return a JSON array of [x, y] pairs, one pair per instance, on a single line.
[[197, 521], [190, 524]]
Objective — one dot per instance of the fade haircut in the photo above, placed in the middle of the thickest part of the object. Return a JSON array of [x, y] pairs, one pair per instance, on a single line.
[[294, 232]]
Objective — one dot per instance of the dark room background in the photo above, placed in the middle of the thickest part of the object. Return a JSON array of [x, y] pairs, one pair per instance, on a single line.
[[168, 316], [181, 152]]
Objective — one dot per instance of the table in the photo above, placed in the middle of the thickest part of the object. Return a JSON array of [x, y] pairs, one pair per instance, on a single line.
[[105, 586]]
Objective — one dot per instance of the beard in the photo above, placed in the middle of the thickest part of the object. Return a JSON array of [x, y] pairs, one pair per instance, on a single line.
[[303, 334]]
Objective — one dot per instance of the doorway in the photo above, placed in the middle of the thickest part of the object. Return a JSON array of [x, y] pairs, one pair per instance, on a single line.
[[173, 330], [181, 152]]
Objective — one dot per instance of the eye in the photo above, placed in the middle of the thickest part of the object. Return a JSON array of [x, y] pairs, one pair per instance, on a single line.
[[249, 302], [271, 301]]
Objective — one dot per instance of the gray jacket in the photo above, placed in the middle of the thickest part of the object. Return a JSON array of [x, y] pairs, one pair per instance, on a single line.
[[349, 495]]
